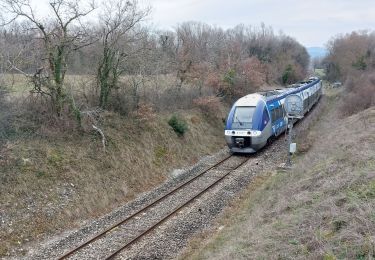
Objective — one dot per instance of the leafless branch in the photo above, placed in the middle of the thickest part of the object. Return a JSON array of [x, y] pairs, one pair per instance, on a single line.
[[103, 136]]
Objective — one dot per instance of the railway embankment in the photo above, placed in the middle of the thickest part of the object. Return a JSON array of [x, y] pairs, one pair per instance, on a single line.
[[321, 209], [147, 228], [57, 182]]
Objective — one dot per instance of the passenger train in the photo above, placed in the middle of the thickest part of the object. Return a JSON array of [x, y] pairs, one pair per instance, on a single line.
[[256, 118]]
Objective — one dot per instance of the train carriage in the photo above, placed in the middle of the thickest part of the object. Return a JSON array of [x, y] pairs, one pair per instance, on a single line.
[[255, 118]]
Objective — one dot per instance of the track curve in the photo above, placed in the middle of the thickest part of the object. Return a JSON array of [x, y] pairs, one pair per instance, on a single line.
[[143, 211]]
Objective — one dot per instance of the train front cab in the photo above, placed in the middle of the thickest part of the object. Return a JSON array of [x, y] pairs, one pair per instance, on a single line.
[[250, 137]]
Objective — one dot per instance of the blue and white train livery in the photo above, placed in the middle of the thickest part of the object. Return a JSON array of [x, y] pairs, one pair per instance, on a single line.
[[256, 118]]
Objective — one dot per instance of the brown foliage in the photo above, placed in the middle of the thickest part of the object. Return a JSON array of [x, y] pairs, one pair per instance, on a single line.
[[236, 61], [352, 60], [210, 105], [253, 71], [349, 54], [213, 80], [234, 83], [360, 94]]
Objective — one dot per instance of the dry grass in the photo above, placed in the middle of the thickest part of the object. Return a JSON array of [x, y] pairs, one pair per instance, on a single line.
[[322, 209], [51, 183], [132, 90]]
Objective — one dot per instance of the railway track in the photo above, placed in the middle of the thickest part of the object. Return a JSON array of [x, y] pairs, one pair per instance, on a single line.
[[123, 234]]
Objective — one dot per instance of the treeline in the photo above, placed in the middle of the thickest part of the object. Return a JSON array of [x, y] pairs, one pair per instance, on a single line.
[[351, 59], [113, 43]]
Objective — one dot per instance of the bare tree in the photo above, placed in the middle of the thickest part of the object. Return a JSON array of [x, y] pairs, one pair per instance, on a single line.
[[348, 54], [118, 29], [60, 35]]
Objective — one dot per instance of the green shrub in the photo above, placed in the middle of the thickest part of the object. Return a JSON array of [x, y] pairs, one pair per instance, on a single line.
[[288, 74], [178, 124], [360, 64], [229, 77]]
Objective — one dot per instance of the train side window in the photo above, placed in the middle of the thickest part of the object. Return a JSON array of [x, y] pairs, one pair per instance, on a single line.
[[273, 115], [266, 117], [277, 112]]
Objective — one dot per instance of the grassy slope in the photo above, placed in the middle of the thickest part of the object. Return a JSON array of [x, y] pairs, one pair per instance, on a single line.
[[324, 208], [50, 184]]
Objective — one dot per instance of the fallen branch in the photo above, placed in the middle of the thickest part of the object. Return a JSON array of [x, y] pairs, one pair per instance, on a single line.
[[102, 134], [94, 116]]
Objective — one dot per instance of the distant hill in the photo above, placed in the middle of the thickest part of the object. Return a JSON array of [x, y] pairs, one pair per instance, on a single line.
[[317, 52]]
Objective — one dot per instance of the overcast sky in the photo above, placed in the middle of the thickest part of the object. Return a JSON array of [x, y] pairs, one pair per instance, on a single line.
[[312, 23]]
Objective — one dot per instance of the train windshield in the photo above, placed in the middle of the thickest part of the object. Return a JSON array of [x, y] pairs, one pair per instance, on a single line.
[[243, 118]]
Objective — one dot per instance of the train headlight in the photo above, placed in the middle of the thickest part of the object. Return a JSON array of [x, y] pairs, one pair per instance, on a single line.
[[256, 133]]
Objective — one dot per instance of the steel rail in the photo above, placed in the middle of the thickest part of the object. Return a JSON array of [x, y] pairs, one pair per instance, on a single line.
[[134, 240], [101, 234]]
